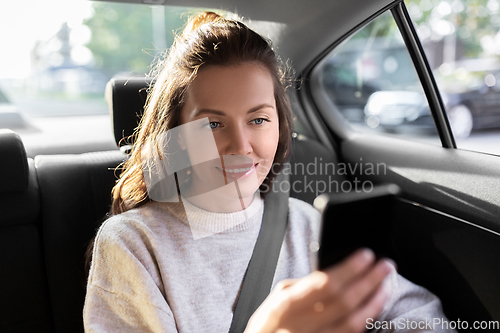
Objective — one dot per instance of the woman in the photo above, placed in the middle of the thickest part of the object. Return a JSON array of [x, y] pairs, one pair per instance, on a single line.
[[166, 266]]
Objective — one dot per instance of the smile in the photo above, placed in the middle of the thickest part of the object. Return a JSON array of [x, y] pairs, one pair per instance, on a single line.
[[238, 170]]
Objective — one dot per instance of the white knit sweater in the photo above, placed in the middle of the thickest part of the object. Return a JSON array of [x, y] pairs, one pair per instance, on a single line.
[[155, 271]]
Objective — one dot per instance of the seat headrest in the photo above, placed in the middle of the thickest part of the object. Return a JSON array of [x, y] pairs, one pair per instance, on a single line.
[[126, 98], [14, 168]]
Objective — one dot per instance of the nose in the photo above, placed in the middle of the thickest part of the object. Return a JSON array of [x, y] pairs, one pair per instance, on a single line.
[[238, 142]]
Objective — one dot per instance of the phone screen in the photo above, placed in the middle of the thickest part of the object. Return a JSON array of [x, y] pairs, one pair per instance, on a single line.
[[356, 220]]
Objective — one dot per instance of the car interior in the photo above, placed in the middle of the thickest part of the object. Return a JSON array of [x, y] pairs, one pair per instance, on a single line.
[[445, 225]]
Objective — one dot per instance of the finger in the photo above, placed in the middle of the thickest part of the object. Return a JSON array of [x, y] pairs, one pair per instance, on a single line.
[[312, 293], [359, 292], [272, 308], [354, 296], [360, 289], [392, 263], [357, 321], [283, 284], [325, 285], [352, 267]]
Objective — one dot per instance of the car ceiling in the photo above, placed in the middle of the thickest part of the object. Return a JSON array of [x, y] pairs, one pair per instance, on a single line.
[[305, 28]]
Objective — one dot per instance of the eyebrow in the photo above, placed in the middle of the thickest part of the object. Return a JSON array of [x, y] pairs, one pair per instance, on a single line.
[[222, 113]]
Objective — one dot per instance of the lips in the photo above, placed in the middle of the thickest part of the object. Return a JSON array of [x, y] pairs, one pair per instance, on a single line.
[[239, 170]]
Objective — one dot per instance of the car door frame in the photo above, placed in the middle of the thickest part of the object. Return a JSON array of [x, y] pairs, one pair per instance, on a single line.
[[458, 186], [331, 129]]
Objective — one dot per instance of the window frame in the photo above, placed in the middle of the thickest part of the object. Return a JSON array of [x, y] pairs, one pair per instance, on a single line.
[[313, 96]]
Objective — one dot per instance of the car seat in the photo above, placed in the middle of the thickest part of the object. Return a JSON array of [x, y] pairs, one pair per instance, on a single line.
[[75, 193], [25, 301]]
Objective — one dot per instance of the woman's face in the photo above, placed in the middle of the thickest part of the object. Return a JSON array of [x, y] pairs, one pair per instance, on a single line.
[[241, 109]]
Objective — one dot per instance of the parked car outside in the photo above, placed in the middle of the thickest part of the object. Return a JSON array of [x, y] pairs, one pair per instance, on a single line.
[[474, 108]]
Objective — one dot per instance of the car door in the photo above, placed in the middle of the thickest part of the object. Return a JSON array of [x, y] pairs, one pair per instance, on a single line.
[[447, 222]]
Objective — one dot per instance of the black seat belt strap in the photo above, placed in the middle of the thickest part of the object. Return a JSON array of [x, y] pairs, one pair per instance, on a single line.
[[260, 273]]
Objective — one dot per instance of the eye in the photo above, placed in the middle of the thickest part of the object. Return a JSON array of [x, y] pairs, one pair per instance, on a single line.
[[212, 125], [259, 121]]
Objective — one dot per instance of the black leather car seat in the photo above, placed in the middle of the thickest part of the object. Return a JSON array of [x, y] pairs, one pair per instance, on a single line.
[[24, 294], [75, 192]]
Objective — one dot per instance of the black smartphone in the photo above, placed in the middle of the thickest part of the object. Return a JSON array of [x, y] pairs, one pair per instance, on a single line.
[[356, 220]]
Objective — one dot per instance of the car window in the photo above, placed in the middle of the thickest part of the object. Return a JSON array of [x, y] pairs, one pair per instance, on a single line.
[[371, 81], [461, 39], [3, 98], [54, 69]]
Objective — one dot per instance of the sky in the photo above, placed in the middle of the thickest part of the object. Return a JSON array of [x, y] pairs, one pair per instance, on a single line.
[[22, 23]]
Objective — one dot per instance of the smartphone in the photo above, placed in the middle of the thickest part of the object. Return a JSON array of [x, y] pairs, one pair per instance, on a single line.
[[356, 220]]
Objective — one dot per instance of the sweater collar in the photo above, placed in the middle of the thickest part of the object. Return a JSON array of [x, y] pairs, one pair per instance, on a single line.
[[204, 223]]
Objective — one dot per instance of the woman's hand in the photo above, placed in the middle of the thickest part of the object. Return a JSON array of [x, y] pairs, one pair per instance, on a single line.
[[339, 299]]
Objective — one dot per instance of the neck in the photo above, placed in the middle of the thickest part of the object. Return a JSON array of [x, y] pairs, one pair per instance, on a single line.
[[226, 199]]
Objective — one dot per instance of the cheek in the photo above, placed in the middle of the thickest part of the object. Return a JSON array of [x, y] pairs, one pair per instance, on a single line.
[[266, 151], [268, 144], [221, 141]]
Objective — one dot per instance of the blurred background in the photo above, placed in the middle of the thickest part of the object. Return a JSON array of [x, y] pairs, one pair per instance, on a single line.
[[372, 81], [462, 43], [58, 55]]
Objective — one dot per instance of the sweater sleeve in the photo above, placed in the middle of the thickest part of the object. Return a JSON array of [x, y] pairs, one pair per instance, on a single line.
[[410, 308], [124, 291]]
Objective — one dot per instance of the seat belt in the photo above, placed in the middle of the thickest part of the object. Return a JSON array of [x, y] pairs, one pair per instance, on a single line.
[[262, 266]]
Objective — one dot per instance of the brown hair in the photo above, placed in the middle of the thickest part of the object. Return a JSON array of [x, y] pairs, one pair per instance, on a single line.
[[208, 39]]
